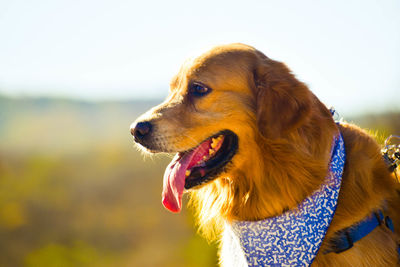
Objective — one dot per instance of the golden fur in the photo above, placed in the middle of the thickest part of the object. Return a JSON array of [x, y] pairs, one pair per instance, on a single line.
[[285, 136]]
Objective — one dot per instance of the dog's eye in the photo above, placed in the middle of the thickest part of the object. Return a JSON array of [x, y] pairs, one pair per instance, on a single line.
[[199, 89]]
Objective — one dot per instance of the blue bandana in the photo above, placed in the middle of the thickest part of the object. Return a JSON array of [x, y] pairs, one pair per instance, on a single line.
[[293, 238]]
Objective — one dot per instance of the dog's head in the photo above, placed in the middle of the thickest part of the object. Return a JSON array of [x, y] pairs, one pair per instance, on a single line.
[[221, 107]]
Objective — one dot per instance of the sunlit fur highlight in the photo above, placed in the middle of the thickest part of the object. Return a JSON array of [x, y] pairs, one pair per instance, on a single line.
[[285, 141]]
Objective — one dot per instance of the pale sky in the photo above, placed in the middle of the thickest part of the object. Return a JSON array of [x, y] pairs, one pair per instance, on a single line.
[[348, 52]]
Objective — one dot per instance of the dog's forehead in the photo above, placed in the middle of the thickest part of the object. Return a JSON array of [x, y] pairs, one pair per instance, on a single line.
[[227, 56], [216, 64]]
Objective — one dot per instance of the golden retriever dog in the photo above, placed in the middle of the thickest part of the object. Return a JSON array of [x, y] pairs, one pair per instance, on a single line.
[[252, 142]]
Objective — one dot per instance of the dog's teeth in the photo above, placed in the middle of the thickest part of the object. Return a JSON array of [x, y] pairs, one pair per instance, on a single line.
[[187, 173], [214, 142]]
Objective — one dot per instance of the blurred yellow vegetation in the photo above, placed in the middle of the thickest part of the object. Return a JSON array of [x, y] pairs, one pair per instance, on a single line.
[[12, 215], [75, 192], [51, 255]]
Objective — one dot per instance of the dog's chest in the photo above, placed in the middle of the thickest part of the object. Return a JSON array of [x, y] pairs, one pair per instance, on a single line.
[[292, 238]]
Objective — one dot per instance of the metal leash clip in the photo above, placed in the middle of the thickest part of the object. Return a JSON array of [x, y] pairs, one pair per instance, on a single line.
[[391, 153]]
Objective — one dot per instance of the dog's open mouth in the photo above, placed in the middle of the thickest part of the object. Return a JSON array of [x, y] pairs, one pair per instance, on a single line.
[[197, 166]]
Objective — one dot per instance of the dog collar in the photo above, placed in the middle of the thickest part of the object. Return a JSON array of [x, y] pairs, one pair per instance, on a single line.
[[293, 238]]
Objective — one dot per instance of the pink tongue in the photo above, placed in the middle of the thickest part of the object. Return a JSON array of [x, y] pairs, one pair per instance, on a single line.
[[175, 175]]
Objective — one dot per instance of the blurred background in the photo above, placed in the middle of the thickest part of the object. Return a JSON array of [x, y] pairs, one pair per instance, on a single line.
[[74, 74]]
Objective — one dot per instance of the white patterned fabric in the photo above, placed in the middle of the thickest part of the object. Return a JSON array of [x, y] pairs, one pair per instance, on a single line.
[[293, 238]]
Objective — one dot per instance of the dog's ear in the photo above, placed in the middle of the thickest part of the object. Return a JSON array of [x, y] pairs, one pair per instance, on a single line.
[[282, 102]]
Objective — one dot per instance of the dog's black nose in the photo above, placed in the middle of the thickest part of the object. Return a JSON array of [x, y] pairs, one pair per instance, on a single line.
[[141, 129]]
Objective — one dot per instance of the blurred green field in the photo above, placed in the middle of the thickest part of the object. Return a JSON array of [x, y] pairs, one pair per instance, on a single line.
[[75, 192]]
